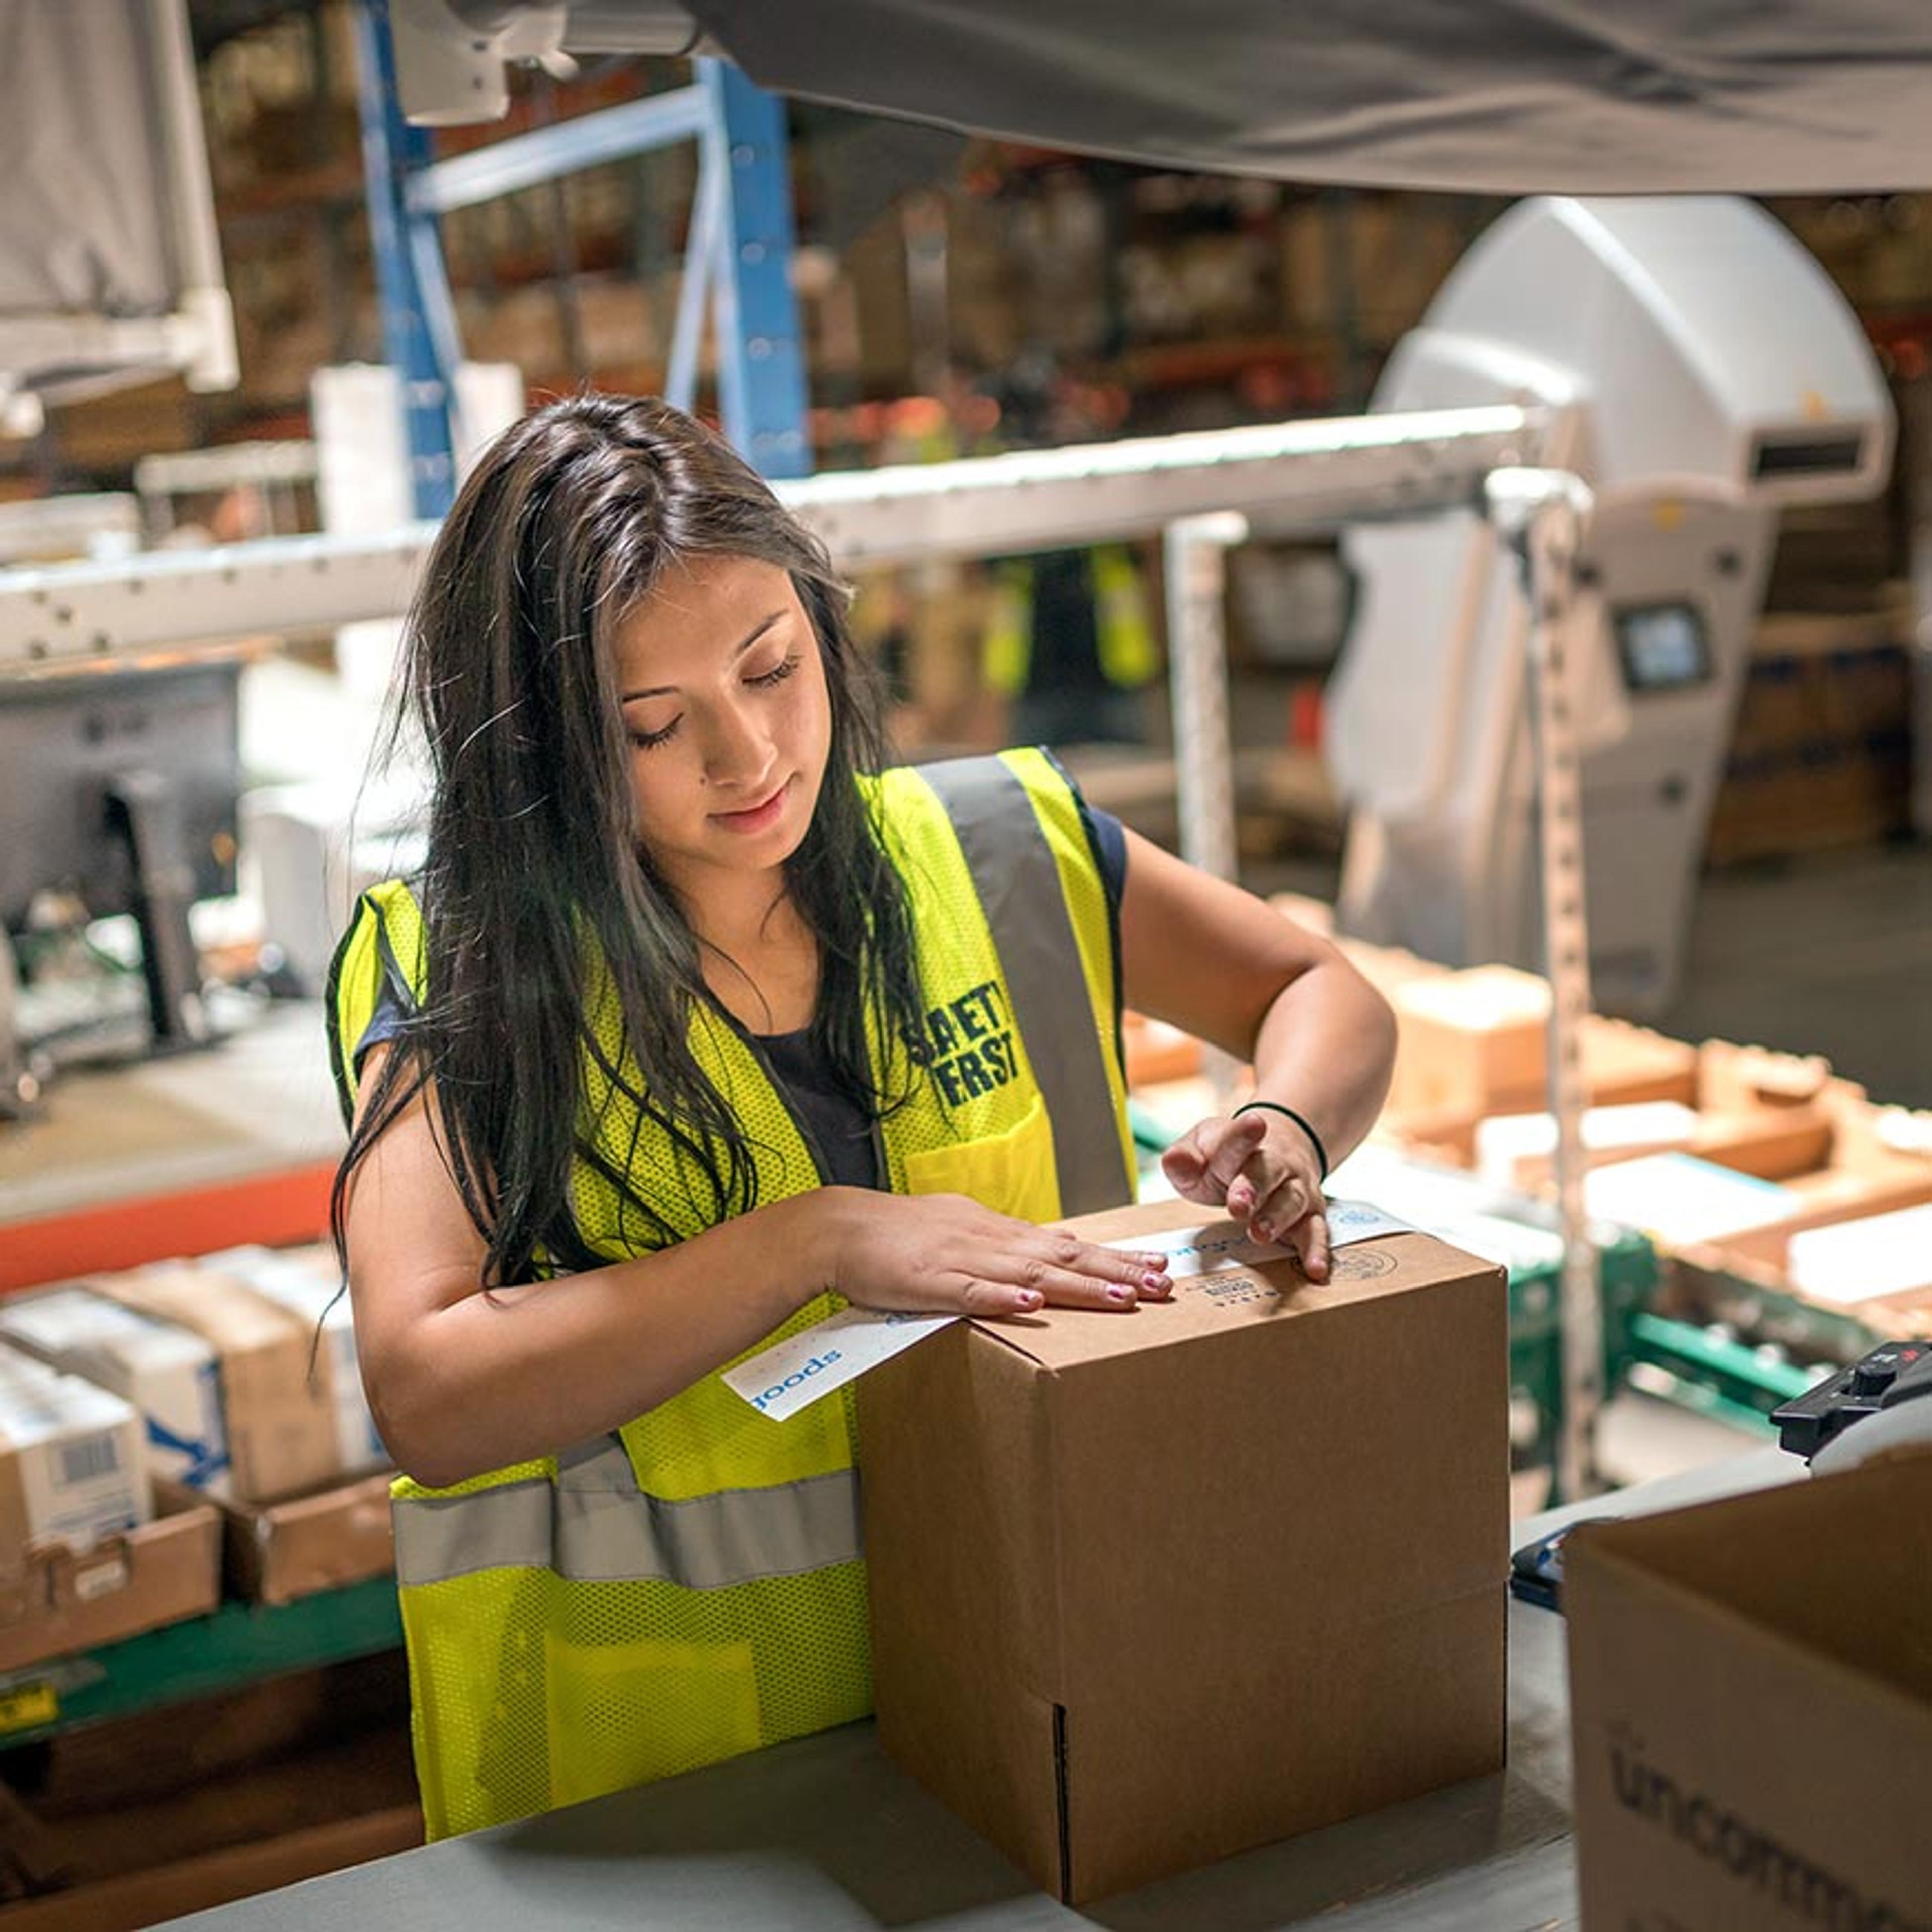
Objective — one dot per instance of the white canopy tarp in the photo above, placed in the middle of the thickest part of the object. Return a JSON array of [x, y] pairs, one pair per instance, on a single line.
[[83, 156], [109, 268], [1510, 96]]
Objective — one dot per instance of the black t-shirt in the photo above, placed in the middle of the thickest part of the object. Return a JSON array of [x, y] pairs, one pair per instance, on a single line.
[[839, 1130]]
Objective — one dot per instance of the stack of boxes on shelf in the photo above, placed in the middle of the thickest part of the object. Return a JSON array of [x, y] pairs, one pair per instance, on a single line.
[[1821, 756], [172, 1430], [1784, 1202]]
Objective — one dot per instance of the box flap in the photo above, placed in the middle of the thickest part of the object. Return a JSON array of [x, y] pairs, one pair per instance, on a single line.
[[1840, 1565], [1210, 1306]]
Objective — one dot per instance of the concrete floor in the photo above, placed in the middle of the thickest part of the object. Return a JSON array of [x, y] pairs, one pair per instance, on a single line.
[[1832, 954]]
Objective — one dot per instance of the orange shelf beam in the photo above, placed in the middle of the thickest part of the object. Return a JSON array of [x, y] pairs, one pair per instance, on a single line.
[[287, 1205]]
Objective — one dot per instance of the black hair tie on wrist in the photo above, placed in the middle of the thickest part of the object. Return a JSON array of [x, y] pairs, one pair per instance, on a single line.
[[1276, 1107]]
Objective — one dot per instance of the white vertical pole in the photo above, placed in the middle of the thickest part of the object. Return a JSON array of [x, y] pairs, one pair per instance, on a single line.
[[1195, 550], [1544, 514]]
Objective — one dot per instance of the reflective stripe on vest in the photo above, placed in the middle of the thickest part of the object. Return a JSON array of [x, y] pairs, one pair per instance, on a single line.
[[1014, 874], [594, 1525]]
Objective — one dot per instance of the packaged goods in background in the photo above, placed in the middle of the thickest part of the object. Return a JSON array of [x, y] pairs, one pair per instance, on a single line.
[[1854, 1261], [1476, 1042], [170, 1375], [308, 1283], [1122, 1566], [1515, 1149], [281, 1422], [1678, 1198], [70, 1466]]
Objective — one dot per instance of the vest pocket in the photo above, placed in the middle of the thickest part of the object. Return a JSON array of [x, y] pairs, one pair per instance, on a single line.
[[1012, 1171], [622, 1712]]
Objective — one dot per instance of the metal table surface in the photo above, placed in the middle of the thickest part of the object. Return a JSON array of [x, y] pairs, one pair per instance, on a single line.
[[826, 1833]]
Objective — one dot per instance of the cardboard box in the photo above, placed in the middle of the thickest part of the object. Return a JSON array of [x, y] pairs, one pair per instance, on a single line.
[[165, 1570], [281, 1420], [1149, 1589], [170, 1375], [275, 1552], [1477, 1041], [1751, 1708], [307, 1282], [71, 1469], [1473, 1039]]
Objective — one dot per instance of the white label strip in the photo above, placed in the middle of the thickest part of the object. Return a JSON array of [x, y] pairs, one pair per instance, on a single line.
[[1352, 1221], [1204, 1250], [1223, 1244], [780, 1381], [789, 1375]]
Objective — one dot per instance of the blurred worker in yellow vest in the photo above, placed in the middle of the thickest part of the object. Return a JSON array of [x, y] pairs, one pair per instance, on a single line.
[[1070, 646]]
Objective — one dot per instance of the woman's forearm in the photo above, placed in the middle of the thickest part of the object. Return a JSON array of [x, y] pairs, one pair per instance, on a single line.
[[490, 1379], [1326, 1048]]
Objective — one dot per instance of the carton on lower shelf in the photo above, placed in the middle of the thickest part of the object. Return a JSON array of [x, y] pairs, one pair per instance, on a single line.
[[1751, 1707], [1149, 1589], [278, 1552], [64, 1600], [281, 1419], [306, 1282]]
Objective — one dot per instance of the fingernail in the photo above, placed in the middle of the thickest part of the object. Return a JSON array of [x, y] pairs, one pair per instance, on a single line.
[[1155, 1281], [1262, 1231], [1029, 1298], [1118, 1293]]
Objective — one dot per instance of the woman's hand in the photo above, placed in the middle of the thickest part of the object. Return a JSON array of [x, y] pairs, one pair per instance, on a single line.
[[1261, 1167], [942, 1254]]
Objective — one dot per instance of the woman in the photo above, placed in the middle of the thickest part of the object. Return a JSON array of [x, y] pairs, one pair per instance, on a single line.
[[699, 1023]]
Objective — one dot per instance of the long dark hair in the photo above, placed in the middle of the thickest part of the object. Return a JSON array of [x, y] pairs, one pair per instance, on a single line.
[[534, 859]]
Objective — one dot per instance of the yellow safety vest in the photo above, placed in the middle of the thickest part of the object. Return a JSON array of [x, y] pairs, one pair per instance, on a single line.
[[691, 1585], [1129, 656]]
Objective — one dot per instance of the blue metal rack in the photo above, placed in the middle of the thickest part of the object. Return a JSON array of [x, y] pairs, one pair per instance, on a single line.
[[737, 262]]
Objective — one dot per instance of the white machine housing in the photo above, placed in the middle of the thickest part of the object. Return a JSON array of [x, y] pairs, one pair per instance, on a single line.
[[1708, 373]]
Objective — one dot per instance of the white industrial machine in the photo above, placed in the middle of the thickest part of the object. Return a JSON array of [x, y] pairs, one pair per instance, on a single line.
[[1706, 373]]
